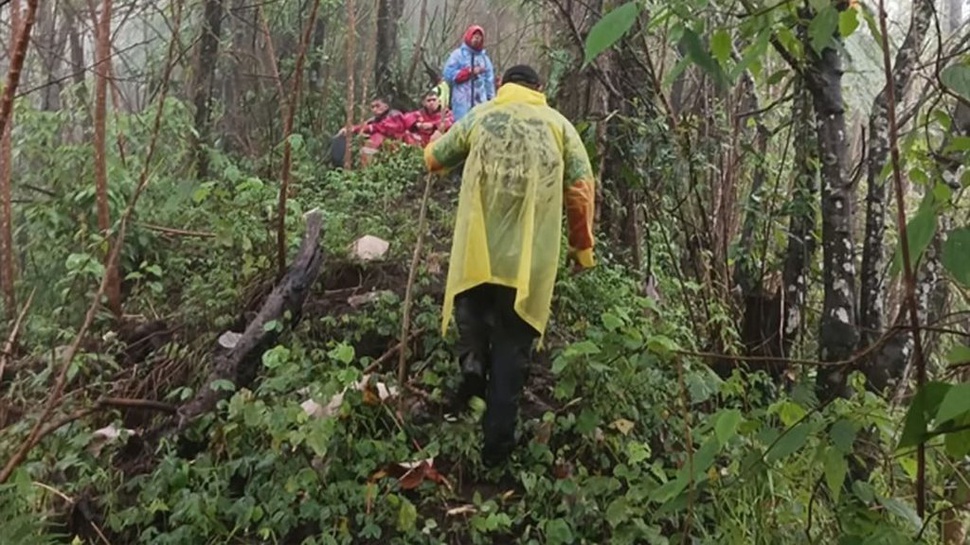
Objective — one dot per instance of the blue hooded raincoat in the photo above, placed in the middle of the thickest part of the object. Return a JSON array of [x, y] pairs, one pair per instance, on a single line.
[[468, 89]]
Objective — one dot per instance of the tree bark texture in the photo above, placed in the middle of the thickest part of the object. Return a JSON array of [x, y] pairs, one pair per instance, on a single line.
[[389, 12], [7, 271], [838, 335], [103, 57], [800, 252], [208, 58], [872, 292], [349, 99]]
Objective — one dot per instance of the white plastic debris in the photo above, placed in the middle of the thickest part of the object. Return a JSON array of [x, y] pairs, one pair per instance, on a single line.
[[229, 339], [105, 436], [315, 410], [366, 298], [370, 248]]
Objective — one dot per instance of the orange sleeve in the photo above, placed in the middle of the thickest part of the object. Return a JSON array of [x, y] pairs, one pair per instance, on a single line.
[[580, 201]]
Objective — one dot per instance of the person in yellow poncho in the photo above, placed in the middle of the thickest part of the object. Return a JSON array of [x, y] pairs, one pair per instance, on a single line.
[[523, 161]]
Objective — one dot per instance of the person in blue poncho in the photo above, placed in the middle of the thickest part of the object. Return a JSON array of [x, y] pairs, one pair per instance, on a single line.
[[470, 73]]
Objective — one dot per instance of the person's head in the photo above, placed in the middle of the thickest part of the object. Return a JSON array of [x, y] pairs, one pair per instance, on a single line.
[[475, 37], [379, 106], [431, 102], [524, 75]]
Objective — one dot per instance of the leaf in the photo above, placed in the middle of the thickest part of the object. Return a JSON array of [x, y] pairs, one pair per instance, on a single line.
[[925, 403], [955, 403], [870, 19], [790, 413], [790, 442], [843, 434], [617, 512], [622, 425], [956, 255], [836, 467], [611, 321], [957, 78], [558, 531], [958, 443], [582, 348], [271, 325], [848, 22], [721, 45], [823, 27], [919, 233], [222, 385], [670, 489], [901, 510], [958, 355], [609, 29], [344, 353], [727, 425], [661, 345], [698, 53], [752, 54], [296, 142], [407, 516]]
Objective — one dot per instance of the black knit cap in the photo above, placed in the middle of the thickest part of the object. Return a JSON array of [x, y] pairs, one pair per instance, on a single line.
[[522, 74]]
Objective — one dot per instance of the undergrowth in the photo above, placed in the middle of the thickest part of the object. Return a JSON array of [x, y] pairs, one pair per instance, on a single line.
[[626, 438]]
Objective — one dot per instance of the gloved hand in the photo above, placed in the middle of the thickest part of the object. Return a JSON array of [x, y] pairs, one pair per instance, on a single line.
[[581, 260]]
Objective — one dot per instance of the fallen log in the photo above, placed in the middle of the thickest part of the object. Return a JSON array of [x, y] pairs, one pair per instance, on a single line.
[[240, 363]]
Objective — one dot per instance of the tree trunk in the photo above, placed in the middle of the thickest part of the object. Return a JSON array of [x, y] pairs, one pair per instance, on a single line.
[[208, 57], [872, 296], [77, 55], [418, 44], [103, 57], [747, 271], [290, 111], [389, 12], [52, 51], [801, 225], [349, 99], [7, 272], [838, 335]]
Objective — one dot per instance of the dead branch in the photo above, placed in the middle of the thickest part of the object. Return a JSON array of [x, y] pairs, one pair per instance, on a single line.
[[386, 356], [14, 332], [176, 232], [402, 368], [239, 364], [146, 404]]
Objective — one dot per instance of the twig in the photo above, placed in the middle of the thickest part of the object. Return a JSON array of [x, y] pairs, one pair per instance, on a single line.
[[689, 446], [376, 364], [38, 432], [12, 339], [402, 362], [909, 278], [147, 404], [790, 361], [176, 232]]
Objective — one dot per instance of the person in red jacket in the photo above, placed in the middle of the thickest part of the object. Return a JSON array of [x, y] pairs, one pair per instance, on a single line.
[[429, 122], [387, 124]]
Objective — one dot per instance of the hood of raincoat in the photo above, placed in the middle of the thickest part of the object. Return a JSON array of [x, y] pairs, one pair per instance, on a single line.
[[467, 39]]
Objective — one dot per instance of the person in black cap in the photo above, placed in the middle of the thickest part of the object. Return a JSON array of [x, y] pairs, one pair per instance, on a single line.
[[523, 163]]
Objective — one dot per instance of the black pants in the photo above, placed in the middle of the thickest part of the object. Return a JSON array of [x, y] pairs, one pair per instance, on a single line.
[[493, 348]]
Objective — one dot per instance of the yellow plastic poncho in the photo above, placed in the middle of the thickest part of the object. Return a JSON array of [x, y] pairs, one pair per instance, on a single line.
[[518, 155]]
